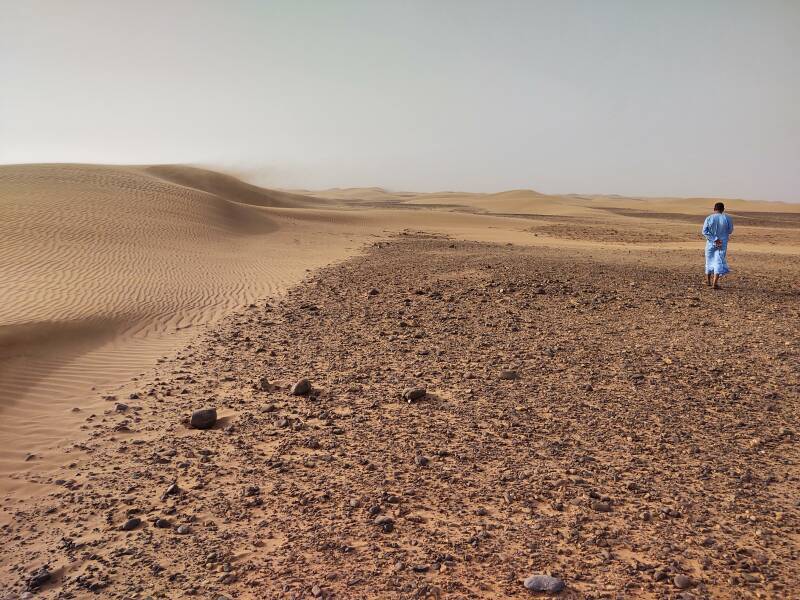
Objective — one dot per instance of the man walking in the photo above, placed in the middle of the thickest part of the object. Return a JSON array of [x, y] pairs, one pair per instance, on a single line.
[[717, 228]]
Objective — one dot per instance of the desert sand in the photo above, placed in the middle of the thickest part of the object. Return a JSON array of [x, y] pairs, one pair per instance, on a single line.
[[579, 417]]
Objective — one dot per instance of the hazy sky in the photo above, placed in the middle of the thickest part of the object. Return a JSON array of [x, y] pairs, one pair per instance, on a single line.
[[650, 97]]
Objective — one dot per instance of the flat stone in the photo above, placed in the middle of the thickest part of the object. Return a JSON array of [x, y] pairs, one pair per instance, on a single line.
[[508, 375], [544, 583], [682, 582], [601, 506]]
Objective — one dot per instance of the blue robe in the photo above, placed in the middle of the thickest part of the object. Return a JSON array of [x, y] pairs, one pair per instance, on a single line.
[[717, 226]]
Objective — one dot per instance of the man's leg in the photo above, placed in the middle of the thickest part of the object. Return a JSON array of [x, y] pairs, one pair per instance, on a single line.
[[708, 279], [715, 284]]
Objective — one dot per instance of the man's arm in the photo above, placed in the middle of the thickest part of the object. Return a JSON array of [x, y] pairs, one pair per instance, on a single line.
[[707, 233]]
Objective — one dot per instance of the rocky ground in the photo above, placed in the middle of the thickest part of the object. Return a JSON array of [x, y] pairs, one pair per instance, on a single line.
[[595, 418]]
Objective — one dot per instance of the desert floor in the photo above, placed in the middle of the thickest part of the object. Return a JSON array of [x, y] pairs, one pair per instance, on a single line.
[[592, 410]]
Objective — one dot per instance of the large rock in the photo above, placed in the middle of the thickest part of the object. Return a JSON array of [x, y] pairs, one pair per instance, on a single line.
[[544, 583], [203, 418], [414, 393], [39, 577]]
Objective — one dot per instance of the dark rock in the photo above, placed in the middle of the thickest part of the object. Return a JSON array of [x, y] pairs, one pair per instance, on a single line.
[[508, 375], [301, 388], [420, 568], [385, 522], [544, 583], [203, 418], [601, 506], [172, 490], [414, 393], [39, 577], [682, 582], [131, 524]]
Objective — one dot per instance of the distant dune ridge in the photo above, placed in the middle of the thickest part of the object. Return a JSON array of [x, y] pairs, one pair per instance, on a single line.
[[106, 268]]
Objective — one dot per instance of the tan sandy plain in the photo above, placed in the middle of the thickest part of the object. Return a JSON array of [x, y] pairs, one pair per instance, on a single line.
[[105, 270]]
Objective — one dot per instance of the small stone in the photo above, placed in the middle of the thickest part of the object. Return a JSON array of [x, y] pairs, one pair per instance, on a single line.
[[203, 418], [420, 568], [163, 524], [120, 407], [301, 388], [172, 490], [601, 506], [131, 524], [385, 522], [421, 461], [414, 393], [373, 292], [264, 385], [544, 583], [184, 529], [682, 582], [507, 375]]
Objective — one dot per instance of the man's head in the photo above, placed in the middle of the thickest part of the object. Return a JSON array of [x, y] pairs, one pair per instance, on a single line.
[[719, 207]]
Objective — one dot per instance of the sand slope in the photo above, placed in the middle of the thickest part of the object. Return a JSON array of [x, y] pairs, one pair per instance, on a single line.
[[105, 268]]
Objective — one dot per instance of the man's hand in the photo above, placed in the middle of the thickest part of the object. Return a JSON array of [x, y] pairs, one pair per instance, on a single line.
[[718, 243]]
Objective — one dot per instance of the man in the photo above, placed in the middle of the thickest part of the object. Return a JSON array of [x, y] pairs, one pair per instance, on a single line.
[[717, 228]]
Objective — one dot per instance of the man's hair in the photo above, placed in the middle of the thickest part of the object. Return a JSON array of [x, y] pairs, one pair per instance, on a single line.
[[719, 207]]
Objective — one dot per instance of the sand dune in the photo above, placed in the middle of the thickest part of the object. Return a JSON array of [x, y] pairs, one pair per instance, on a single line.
[[531, 202], [105, 269]]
